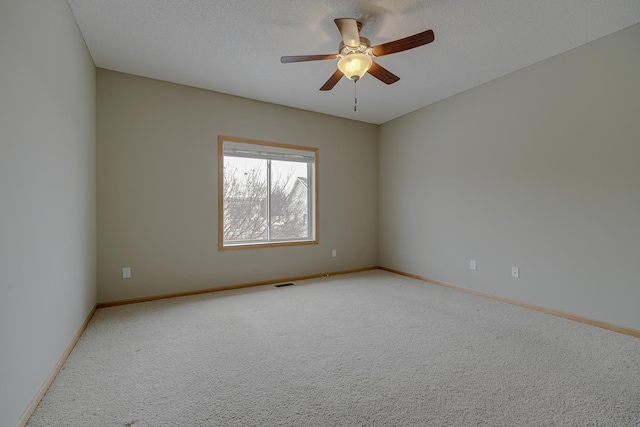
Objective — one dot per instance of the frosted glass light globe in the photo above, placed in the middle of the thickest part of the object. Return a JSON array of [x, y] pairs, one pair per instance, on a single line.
[[354, 65]]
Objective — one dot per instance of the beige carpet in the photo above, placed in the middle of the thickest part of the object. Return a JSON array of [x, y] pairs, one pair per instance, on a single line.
[[364, 349]]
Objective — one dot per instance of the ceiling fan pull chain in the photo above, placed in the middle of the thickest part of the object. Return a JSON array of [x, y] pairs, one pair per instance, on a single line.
[[355, 95]]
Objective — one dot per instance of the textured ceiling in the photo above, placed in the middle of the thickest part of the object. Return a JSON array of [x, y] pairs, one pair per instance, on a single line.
[[234, 46]]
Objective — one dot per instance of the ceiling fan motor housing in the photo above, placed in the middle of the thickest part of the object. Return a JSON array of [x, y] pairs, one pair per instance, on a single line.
[[365, 47]]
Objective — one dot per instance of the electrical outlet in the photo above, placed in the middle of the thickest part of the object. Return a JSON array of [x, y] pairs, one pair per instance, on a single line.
[[334, 253], [515, 272], [126, 273], [472, 264]]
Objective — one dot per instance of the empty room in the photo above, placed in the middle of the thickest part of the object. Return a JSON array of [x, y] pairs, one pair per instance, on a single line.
[[218, 213]]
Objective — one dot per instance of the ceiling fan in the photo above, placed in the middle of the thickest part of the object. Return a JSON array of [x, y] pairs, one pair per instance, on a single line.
[[356, 53]]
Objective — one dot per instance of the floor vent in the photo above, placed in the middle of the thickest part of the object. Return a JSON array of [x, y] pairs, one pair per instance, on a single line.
[[283, 284]]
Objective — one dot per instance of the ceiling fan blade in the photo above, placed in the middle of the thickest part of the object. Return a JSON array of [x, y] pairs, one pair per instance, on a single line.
[[382, 74], [406, 43], [303, 58], [333, 80], [348, 28]]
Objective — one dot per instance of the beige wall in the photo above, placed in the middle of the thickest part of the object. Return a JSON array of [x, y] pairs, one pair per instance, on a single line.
[[47, 194], [539, 169], [157, 188]]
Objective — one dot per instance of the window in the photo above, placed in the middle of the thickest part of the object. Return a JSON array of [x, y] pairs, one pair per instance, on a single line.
[[267, 194]]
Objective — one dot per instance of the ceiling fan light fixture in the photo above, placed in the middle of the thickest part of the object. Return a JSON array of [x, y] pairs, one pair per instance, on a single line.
[[355, 54], [354, 65]]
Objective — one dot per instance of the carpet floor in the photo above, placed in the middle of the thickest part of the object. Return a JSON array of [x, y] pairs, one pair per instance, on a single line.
[[364, 349]]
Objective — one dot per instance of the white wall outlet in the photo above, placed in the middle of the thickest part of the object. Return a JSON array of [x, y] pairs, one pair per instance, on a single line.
[[126, 273], [334, 253], [515, 272], [472, 264]]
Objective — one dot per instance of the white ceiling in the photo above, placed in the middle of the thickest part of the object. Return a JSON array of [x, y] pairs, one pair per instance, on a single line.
[[234, 46]]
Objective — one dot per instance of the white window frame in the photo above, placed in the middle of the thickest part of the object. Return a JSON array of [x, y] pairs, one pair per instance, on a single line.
[[246, 148]]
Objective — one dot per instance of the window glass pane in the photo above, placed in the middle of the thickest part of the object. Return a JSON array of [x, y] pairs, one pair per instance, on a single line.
[[245, 195], [289, 200], [267, 194]]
